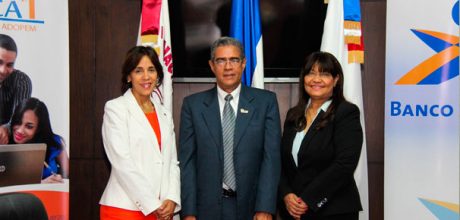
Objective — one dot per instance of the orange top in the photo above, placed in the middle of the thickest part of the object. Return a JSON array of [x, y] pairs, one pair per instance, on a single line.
[[153, 119]]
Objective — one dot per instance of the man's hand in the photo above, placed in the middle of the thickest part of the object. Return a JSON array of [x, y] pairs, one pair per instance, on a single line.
[[189, 217], [262, 216], [4, 133]]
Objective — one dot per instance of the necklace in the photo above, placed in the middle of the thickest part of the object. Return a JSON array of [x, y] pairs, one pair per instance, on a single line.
[[148, 107], [309, 116]]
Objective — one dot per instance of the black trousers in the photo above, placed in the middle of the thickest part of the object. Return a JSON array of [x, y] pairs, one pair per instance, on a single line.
[[347, 216], [229, 208], [312, 216]]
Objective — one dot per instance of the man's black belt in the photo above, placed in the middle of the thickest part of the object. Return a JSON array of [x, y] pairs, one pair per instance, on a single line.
[[228, 193]]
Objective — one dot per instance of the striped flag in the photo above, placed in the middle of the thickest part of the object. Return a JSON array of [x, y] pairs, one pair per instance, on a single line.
[[246, 27], [154, 31], [344, 45]]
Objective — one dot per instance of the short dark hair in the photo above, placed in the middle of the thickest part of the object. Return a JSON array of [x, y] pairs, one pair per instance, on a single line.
[[133, 57], [7, 43], [227, 41]]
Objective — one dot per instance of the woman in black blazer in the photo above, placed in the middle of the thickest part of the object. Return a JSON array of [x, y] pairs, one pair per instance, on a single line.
[[321, 145]]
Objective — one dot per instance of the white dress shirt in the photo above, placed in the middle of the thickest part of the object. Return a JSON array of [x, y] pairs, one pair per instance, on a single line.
[[234, 102]]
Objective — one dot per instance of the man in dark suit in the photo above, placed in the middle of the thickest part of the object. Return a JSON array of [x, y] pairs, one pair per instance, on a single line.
[[213, 186]]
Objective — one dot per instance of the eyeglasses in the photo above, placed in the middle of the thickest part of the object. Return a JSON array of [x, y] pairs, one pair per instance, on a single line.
[[223, 61], [322, 75]]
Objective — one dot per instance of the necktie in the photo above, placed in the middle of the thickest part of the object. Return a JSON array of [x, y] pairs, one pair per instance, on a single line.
[[228, 131]]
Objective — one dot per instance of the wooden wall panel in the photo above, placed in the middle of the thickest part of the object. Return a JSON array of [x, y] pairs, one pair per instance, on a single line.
[[82, 66], [81, 188], [373, 25], [375, 170]]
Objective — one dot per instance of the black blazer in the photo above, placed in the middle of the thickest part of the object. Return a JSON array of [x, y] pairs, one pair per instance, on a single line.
[[327, 159]]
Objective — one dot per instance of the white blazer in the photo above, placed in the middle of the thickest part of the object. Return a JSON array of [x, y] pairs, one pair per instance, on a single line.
[[142, 176]]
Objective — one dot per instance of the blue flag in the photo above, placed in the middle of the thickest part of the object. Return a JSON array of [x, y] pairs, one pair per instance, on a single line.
[[246, 27]]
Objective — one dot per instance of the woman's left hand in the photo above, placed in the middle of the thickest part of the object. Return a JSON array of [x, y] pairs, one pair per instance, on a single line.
[[166, 210]]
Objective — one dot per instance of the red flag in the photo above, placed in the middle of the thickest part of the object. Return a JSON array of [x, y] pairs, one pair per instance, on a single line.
[[155, 32]]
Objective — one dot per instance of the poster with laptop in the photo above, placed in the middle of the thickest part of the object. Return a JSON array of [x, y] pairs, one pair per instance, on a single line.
[[34, 102]]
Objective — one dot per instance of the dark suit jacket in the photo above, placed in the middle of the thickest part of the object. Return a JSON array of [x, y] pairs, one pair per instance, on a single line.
[[256, 154], [327, 159]]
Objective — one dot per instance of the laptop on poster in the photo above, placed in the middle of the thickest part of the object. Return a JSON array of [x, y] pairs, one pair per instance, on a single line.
[[21, 164]]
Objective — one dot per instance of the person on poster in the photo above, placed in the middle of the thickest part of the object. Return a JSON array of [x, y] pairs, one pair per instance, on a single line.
[[14, 84], [321, 145], [229, 144], [139, 141], [30, 123]]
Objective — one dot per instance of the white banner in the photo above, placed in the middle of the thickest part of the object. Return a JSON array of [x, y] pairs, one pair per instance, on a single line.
[[422, 110], [43, 52], [40, 30]]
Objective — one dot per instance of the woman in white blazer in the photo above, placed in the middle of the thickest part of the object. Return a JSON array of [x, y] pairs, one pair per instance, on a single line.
[[139, 140]]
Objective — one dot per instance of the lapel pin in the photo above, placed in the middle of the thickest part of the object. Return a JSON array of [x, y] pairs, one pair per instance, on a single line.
[[244, 111]]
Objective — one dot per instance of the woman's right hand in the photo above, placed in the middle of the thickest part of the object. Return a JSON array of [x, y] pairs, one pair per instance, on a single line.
[[295, 205], [54, 178], [4, 133], [166, 210]]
